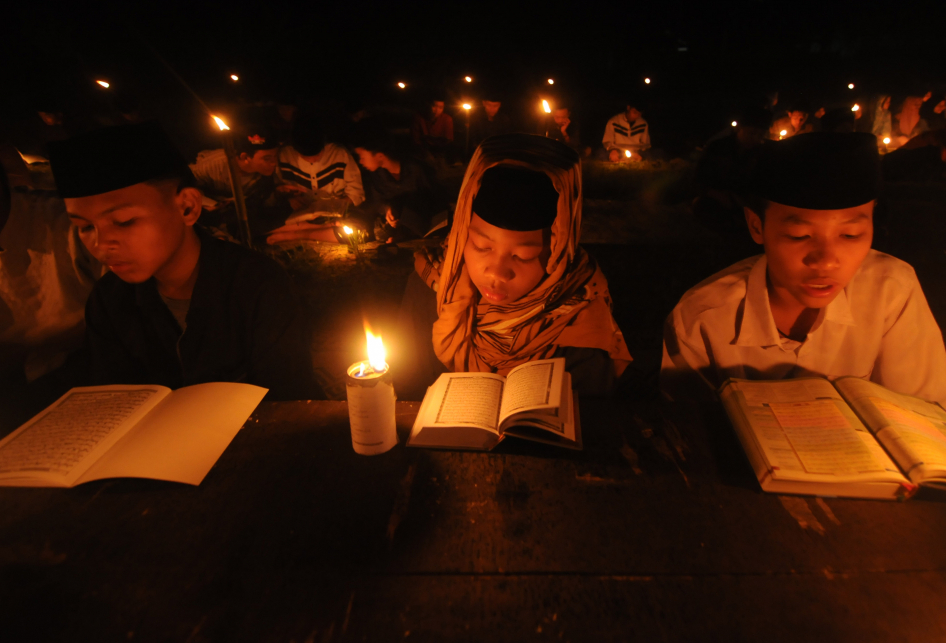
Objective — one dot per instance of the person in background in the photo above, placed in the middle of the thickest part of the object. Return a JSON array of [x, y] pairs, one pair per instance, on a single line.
[[799, 113], [433, 132], [178, 306], [402, 192], [310, 169], [256, 149], [490, 121], [933, 110], [907, 122], [781, 127], [882, 123], [513, 284], [46, 275], [563, 128], [626, 132]]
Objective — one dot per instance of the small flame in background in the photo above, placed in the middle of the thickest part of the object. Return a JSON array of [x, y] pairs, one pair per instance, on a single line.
[[545, 106], [627, 153], [347, 229], [401, 85], [468, 79], [783, 133], [219, 121], [734, 123], [886, 140], [376, 352], [647, 81], [234, 77], [551, 81], [850, 86], [855, 108], [467, 106], [102, 83]]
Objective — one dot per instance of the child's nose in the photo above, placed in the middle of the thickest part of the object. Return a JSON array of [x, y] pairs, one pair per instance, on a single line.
[[500, 271], [823, 257]]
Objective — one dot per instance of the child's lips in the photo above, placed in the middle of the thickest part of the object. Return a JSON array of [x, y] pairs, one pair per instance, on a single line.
[[820, 287], [493, 295]]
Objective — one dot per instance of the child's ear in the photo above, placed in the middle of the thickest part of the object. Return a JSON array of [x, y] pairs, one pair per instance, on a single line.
[[189, 201], [754, 221]]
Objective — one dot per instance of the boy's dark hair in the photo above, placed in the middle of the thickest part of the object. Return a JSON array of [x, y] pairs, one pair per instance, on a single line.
[[308, 137], [372, 135]]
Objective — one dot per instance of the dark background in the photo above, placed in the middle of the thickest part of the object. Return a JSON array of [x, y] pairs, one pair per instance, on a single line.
[[706, 59]]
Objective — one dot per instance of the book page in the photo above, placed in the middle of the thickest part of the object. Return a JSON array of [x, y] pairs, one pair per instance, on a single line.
[[533, 385], [182, 438], [470, 398], [823, 439], [785, 391], [66, 438]]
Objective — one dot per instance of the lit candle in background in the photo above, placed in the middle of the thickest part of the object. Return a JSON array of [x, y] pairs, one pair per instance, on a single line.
[[886, 140], [545, 107], [850, 85], [551, 81], [371, 401], [402, 85], [468, 79], [647, 81], [234, 77], [103, 83], [467, 107], [855, 108], [783, 134], [627, 153], [734, 123], [219, 121]]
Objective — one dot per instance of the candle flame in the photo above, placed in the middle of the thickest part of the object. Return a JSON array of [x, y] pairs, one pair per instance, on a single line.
[[102, 83], [376, 352], [734, 123], [361, 370], [850, 85], [647, 81], [401, 85], [855, 108], [627, 153], [545, 106], [886, 140], [783, 133], [219, 121], [467, 106], [551, 81], [347, 229], [468, 79], [234, 77]]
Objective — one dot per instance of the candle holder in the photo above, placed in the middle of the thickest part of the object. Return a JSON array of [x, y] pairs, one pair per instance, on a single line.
[[371, 398]]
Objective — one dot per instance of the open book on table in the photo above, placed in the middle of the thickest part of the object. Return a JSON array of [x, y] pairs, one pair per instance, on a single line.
[[479, 410], [851, 438], [99, 432]]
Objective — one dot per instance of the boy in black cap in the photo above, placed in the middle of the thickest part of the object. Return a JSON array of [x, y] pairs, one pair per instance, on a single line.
[[179, 306], [256, 149], [819, 301]]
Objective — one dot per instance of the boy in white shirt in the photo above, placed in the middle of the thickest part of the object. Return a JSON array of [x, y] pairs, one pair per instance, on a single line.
[[819, 301]]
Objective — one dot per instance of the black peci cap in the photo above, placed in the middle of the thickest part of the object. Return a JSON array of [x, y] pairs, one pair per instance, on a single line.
[[819, 171], [113, 158], [515, 198]]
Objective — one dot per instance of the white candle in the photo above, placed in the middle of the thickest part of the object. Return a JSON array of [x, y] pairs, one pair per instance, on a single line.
[[371, 402]]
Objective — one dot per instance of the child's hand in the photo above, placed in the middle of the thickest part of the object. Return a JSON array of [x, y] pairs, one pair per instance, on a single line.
[[289, 188], [614, 156], [389, 217]]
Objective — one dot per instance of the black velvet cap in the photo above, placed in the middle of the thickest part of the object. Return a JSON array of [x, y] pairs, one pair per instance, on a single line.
[[819, 171], [113, 158], [516, 198]]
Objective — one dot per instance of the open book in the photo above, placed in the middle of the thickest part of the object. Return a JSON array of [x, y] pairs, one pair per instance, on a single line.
[[479, 410], [99, 432], [853, 438]]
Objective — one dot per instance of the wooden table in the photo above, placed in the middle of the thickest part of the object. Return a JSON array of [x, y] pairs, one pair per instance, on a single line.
[[651, 533]]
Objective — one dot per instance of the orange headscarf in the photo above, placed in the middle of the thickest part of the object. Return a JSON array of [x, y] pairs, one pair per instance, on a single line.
[[570, 307]]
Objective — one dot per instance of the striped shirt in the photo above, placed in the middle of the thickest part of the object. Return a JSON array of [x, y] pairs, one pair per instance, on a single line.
[[334, 174], [213, 175], [621, 135]]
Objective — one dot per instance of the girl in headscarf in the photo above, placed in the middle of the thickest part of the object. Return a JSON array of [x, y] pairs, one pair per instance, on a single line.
[[513, 284]]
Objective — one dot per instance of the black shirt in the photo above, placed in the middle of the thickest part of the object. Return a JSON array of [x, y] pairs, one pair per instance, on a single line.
[[414, 197], [244, 324]]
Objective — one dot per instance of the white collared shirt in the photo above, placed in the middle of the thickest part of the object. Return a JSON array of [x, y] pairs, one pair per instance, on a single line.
[[879, 327]]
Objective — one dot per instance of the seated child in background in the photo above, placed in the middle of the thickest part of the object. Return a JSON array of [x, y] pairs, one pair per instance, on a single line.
[[514, 285], [178, 307], [819, 301]]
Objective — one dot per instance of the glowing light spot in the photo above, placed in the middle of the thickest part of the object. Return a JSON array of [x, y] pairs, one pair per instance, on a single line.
[[234, 77], [647, 81], [551, 81], [627, 153], [376, 352], [347, 229], [402, 85], [734, 123], [850, 85], [855, 108], [102, 83], [468, 79], [545, 107], [219, 121], [886, 140], [467, 106]]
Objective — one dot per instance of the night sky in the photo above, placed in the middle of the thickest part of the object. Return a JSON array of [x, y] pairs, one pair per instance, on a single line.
[[706, 59]]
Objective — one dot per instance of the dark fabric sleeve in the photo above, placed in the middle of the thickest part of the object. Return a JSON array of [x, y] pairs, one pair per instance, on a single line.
[[413, 361], [592, 370], [110, 362], [280, 346]]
